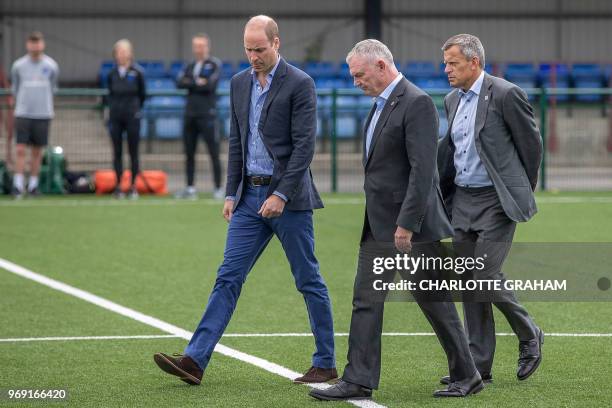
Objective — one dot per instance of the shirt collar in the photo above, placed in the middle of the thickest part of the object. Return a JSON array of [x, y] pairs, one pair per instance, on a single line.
[[476, 86], [384, 95], [270, 75]]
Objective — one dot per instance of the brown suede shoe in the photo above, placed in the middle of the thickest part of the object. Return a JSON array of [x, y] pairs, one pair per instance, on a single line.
[[317, 375], [182, 366]]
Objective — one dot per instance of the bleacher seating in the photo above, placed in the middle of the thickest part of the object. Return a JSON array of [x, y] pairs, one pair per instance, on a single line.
[[163, 114]]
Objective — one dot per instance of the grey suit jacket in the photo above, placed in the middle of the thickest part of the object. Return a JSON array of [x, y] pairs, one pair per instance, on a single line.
[[401, 177], [288, 126], [508, 143]]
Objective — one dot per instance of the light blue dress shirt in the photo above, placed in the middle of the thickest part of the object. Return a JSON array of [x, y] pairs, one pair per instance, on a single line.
[[471, 172], [380, 101], [259, 162]]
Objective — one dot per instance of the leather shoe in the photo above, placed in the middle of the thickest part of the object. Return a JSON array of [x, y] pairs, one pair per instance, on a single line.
[[317, 375], [342, 390], [530, 356], [486, 378], [182, 366], [461, 388]]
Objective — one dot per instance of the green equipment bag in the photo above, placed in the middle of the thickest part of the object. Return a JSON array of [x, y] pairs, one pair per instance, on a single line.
[[6, 179], [52, 171]]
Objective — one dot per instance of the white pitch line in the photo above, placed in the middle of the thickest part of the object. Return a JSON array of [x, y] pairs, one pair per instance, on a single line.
[[29, 339], [164, 326]]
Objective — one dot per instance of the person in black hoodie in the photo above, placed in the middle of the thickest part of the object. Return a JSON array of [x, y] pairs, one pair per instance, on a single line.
[[200, 78], [126, 95]]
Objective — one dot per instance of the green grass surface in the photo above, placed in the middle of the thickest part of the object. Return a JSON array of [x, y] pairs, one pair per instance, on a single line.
[[160, 258]]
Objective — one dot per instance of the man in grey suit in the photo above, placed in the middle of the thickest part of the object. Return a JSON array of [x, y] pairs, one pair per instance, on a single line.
[[405, 213], [488, 163]]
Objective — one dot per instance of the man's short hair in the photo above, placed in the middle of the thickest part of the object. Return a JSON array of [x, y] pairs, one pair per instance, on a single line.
[[469, 45], [201, 35], [35, 36], [371, 48]]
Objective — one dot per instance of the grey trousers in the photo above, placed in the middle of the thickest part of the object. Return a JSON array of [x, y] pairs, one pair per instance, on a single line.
[[482, 227], [364, 353]]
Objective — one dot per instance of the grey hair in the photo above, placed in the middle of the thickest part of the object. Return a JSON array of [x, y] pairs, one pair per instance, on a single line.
[[125, 43], [469, 45], [371, 48]]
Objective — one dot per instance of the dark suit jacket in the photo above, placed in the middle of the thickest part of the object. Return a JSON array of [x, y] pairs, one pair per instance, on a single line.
[[288, 126], [401, 177], [508, 143], [202, 99]]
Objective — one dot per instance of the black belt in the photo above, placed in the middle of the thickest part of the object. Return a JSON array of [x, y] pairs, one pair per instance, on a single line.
[[259, 180], [475, 189]]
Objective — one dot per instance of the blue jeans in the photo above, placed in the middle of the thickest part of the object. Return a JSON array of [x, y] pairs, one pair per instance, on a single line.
[[247, 237]]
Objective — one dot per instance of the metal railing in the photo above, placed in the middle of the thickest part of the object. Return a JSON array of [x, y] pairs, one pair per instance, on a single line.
[[566, 130]]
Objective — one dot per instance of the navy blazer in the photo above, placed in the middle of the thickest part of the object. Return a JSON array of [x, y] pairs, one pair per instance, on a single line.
[[288, 126]]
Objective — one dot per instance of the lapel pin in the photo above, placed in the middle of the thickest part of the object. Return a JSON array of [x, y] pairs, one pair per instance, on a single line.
[[486, 97], [392, 103]]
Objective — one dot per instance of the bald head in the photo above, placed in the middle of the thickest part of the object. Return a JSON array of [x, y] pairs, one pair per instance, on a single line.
[[261, 43], [265, 23]]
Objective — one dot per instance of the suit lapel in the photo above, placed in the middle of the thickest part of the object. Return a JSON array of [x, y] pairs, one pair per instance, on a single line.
[[390, 105], [365, 133], [244, 103], [275, 86], [453, 106], [483, 104]]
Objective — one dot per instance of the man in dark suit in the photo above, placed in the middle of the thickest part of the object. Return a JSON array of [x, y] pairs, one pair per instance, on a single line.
[[489, 161], [404, 212], [269, 192]]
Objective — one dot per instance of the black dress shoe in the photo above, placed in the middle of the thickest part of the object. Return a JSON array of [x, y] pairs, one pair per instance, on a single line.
[[530, 356], [486, 378], [342, 390], [461, 388]]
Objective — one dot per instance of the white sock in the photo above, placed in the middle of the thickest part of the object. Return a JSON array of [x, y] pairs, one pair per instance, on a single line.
[[191, 189], [33, 183], [18, 181]]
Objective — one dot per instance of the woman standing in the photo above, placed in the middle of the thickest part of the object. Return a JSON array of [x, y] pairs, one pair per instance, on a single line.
[[126, 95]]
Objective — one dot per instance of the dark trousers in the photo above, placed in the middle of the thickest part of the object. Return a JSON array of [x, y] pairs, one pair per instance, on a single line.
[[129, 124], [364, 354], [195, 126], [247, 236], [482, 227]]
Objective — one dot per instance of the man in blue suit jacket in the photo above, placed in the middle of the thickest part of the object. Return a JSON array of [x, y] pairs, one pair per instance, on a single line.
[[269, 191]]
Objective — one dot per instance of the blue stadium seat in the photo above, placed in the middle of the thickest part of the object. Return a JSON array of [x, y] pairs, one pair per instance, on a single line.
[[344, 72], [153, 69], [227, 69], [588, 76], [224, 84], [160, 84], [105, 69], [419, 70], [346, 126], [175, 68], [321, 69], [523, 75], [169, 127], [437, 83], [165, 103], [330, 83], [555, 76]]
